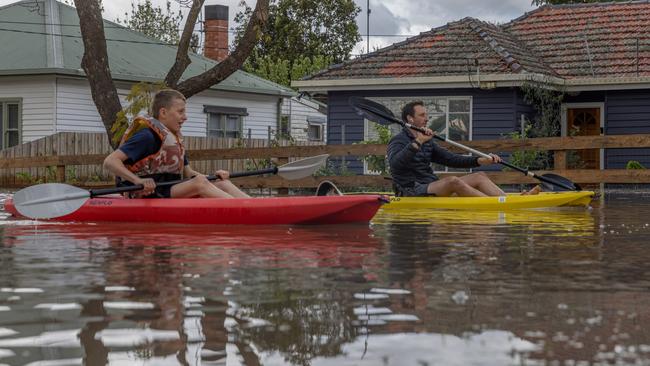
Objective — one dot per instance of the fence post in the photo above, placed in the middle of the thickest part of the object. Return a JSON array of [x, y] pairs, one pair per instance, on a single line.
[[342, 168], [283, 191], [559, 160], [60, 173]]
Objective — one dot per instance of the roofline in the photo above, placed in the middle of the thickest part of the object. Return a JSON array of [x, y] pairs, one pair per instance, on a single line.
[[136, 79], [485, 81], [429, 82], [570, 5]]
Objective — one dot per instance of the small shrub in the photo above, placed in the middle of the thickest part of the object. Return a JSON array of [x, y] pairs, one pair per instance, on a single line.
[[633, 164]]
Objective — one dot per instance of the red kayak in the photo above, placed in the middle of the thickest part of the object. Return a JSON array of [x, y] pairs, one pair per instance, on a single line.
[[234, 211]]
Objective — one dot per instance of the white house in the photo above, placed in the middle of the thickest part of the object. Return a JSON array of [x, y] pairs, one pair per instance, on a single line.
[[43, 89]]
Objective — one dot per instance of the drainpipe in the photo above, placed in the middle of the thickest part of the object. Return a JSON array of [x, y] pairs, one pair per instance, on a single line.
[[279, 117]]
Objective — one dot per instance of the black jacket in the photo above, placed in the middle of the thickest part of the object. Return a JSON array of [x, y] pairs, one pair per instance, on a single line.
[[409, 165]]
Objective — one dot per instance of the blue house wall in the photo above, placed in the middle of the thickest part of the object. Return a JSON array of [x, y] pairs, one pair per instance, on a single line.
[[627, 112], [494, 113], [497, 112]]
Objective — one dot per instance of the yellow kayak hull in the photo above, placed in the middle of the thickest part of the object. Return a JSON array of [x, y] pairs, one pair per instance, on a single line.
[[502, 203]]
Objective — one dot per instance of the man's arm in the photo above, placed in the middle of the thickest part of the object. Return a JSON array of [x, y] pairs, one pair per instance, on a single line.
[[400, 153], [445, 157]]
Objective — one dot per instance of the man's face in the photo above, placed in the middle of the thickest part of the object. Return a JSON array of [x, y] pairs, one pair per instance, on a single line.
[[173, 116], [419, 117]]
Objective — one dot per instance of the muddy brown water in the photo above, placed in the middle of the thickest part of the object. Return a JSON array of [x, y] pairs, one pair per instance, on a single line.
[[530, 288]]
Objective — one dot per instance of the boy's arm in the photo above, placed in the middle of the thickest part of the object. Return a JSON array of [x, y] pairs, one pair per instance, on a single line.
[[188, 172], [114, 163]]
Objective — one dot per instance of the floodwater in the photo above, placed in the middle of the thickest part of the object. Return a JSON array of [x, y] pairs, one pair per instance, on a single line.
[[569, 287]]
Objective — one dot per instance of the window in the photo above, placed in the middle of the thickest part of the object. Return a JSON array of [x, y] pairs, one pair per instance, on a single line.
[[224, 125], [10, 117], [315, 132], [284, 130], [225, 121], [315, 127], [448, 117]]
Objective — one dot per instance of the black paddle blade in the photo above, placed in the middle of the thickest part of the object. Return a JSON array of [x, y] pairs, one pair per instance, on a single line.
[[562, 181], [373, 111]]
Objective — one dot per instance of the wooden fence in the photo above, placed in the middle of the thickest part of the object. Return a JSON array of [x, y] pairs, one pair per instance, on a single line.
[[77, 157]]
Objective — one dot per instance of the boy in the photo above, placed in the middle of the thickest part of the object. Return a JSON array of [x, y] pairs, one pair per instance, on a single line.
[[152, 152]]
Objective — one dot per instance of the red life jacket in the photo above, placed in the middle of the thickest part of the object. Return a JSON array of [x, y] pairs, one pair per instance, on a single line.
[[168, 159]]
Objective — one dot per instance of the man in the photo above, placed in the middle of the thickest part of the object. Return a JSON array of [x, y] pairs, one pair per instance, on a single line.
[[152, 151], [410, 154]]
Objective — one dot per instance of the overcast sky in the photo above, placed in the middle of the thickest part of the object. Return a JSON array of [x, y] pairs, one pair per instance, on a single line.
[[388, 18]]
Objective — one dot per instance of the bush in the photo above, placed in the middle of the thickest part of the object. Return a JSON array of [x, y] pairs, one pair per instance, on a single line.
[[633, 164]]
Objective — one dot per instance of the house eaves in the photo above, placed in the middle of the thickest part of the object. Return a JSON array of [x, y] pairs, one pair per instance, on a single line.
[[487, 81]]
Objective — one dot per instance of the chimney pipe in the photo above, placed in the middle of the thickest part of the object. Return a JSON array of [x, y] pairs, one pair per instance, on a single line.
[[216, 32]]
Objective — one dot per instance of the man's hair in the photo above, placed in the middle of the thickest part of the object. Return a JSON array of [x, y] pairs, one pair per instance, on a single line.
[[409, 109], [164, 99]]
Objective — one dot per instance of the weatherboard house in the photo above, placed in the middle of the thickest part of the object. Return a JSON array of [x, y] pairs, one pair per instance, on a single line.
[[470, 75], [43, 89]]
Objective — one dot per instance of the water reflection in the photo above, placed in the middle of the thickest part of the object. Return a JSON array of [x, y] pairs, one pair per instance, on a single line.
[[418, 289]]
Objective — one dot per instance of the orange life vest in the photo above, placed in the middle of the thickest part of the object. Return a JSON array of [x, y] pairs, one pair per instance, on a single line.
[[168, 159]]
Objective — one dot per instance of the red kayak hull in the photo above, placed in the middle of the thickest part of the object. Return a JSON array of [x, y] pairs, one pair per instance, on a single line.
[[234, 211]]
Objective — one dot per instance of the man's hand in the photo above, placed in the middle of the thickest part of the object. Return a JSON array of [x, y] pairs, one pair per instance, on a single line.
[[493, 159], [423, 137], [148, 183]]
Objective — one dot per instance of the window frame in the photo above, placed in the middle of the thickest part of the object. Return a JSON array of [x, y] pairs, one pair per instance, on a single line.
[[223, 121], [369, 125], [320, 131], [4, 121]]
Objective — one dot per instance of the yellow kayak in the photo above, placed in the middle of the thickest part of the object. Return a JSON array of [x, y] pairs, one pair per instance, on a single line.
[[509, 202]]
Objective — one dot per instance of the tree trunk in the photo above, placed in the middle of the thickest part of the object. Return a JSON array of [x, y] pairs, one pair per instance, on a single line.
[[95, 63], [95, 58], [234, 61], [182, 58]]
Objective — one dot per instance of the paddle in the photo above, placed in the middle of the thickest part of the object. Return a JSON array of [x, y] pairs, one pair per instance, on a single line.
[[49, 200], [379, 113]]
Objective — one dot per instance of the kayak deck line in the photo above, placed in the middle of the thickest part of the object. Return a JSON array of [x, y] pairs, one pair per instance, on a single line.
[[308, 210], [514, 201]]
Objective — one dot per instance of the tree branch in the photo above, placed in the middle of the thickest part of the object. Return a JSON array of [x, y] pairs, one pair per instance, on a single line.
[[182, 58], [95, 63], [235, 60]]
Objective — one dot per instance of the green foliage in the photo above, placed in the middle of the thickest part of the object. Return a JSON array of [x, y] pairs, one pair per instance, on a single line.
[[257, 164], [557, 2], [633, 165], [27, 178], [282, 71], [71, 175], [332, 168], [156, 22], [139, 99], [530, 159], [377, 163], [307, 33], [547, 101]]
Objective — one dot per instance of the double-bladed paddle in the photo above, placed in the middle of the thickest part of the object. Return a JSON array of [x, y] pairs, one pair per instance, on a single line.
[[379, 113], [50, 200]]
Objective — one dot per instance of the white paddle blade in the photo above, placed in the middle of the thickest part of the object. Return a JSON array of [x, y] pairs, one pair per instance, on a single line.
[[50, 200], [302, 168]]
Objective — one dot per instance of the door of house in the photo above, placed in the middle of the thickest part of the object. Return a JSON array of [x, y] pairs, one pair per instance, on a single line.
[[585, 122]]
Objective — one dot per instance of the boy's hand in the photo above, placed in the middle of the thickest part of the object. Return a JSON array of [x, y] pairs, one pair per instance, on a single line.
[[148, 183]]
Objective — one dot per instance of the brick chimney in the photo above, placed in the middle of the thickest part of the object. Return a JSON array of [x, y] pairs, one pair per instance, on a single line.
[[216, 32]]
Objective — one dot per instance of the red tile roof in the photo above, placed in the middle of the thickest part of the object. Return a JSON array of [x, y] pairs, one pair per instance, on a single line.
[[568, 41]]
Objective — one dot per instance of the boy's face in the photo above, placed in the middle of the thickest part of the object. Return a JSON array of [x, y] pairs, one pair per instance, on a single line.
[[173, 116]]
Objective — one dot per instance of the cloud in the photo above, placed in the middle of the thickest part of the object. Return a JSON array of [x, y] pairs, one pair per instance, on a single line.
[[411, 17]]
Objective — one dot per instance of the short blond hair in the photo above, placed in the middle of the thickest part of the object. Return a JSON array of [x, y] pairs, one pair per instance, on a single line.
[[164, 99]]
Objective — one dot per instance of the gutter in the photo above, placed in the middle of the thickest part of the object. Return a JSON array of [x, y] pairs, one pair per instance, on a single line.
[[135, 79], [484, 81]]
